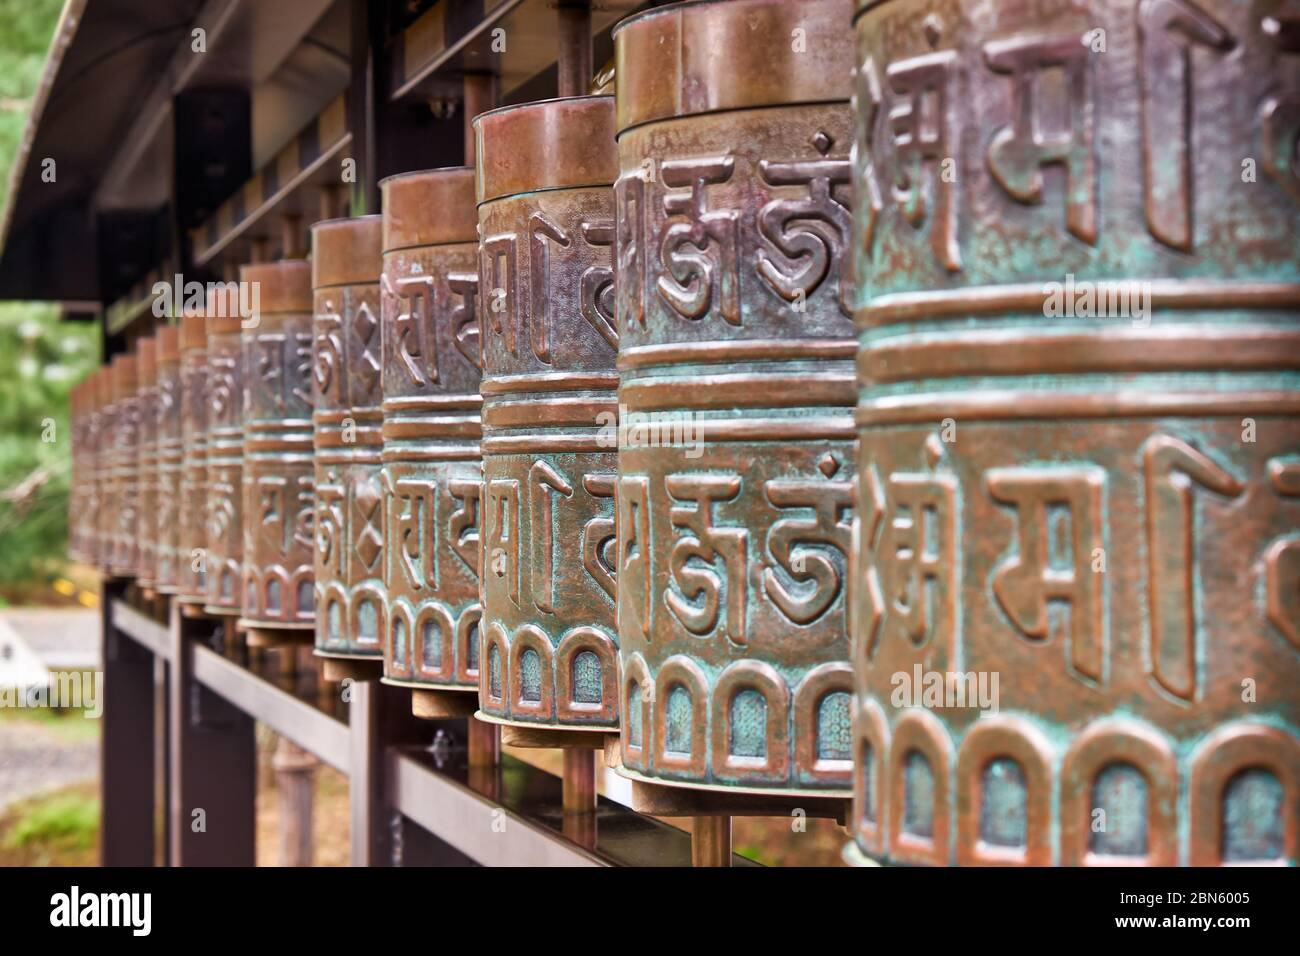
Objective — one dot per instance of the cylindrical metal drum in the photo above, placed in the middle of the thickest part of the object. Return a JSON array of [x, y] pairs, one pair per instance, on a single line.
[[432, 465], [348, 434], [146, 460], [736, 385], [167, 435], [191, 521], [227, 387], [1077, 605], [124, 467], [548, 652], [106, 449], [279, 505]]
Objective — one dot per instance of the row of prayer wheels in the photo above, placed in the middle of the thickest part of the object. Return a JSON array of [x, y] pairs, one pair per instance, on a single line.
[[898, 403]]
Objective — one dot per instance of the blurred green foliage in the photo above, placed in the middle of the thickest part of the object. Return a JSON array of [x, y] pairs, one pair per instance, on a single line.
[[40, 357], [26, 27], [65, 820]]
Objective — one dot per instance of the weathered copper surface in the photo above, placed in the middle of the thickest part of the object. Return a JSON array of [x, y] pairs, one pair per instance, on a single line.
[[191, 523], [1076, 239], [146, 460], [167, 435], [348, 421], [278, 471], [548, 652], [124, 468], [224, 470], [734, 518], [432, 463]]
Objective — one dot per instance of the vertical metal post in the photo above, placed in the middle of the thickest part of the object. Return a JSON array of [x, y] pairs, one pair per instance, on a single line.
[[479, 96], [213, 764], [711, 841], [161, 762], [579, 780], [484, 743], [579, 795], [126, 777], [295, 777], [573, 61], [388, 137], [380, 715]]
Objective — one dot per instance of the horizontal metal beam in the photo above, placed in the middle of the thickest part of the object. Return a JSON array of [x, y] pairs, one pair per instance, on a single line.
[[307, 726], [312, 157], [423, 48], [480, 828], [513, 815], [141, 629]]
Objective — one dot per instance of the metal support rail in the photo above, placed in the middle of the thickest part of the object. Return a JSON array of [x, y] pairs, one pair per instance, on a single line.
[[415, 799]]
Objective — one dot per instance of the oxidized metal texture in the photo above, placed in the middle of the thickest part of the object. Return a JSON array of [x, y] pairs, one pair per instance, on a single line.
[[191, 524], [348, 434], [223, 558], [106, 513], [548, 653], [278, 476], [1080, 442], [735, 507], [167, 434], [432, 463], [124, 468], [146, 460]]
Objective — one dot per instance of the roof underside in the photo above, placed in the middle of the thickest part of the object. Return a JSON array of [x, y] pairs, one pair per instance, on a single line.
[[103, 114], [88, 99]]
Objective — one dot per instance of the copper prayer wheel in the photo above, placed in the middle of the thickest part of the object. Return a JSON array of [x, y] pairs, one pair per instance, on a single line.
[[191, 519], [227, 383], [124, 468], [146, 460], [106, 449], [1077, 595], [167, 435], [278, 474], [737, 387], [348, 434], [431, 430], [548, 653]]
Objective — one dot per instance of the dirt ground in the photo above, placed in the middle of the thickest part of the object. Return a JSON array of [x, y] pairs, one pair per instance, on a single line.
[[39, 754]]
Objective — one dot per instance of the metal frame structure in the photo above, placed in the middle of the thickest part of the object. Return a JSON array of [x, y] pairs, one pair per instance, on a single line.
[[414, 798], [203, 159]]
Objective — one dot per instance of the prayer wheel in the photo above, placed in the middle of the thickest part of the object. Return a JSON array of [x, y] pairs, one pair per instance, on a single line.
[[124, 468], [227, 384], [191, 519], [146, 460], [348, 435], [1077, 584], [167, 435], [737, 452], [432, 469], [549, 654], [278, 475]]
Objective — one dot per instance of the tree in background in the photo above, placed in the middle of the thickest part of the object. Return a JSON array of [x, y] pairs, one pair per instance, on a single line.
[[40, 357]]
